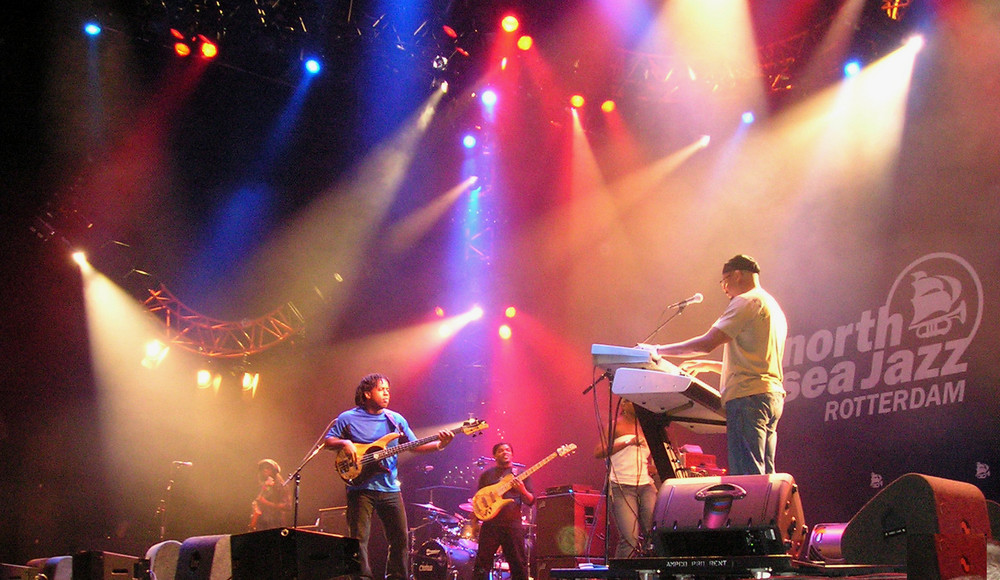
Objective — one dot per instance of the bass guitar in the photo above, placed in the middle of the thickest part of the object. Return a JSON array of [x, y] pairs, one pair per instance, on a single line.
[[489, 500], [370, 455], [254, 516]]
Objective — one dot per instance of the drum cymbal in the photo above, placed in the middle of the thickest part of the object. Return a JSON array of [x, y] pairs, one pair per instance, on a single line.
[[430, 507], [465, 507]]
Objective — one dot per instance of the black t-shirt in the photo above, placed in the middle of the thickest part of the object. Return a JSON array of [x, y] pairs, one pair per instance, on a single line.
[[511, 512]]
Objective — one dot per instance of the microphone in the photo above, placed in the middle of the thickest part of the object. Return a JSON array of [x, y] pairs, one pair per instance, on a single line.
[[183, 463], [696, 299]]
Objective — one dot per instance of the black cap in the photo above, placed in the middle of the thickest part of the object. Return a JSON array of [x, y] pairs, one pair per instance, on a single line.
[[741, 262]]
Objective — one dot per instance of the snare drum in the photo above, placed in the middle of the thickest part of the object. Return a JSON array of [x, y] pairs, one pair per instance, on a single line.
[[440, 559]]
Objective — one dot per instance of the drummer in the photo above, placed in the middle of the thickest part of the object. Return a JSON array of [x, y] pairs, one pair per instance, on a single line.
[[504, 529]]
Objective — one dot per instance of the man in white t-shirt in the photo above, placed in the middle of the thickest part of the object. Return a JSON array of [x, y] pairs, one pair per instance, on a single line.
[[752, 333]]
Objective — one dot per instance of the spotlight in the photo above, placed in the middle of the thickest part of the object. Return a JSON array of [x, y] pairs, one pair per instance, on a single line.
[[156, 351], [312, 66], [704, 141], [915, 42], [449, 31], [505, 332], [80, 258], [207, 48], [182, 49], [852, 68], [439, 62], [608, 106], [476, 313], [489, 97], [92, 28], [208, 380], [510, 312], [510, 23], [576, 101], [748, 118], [439, 312], [469, 141], [525, 42], [250, 382]]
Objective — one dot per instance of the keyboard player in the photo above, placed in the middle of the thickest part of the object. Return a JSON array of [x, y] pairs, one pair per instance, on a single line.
[[752, 333]]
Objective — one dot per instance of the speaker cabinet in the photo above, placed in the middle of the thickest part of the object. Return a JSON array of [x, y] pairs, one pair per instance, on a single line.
[[569, 524], [737, 515], [205, 558], [11, 572], [917, 513], [290, 554], [333, 520], [103, 566]]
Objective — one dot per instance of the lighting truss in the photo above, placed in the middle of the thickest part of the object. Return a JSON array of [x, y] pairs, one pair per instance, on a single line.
[[213, 338]]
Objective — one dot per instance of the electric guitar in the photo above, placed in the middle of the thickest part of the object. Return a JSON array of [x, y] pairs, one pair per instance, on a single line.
[[489, 500], [254, 516], [370, 455]]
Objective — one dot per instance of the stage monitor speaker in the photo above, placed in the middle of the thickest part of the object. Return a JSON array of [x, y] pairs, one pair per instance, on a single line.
[[569, 524], [54, 568], [736, 515], [290, 554], [916, 505], [12, 572], [103, 566], [205, 558]]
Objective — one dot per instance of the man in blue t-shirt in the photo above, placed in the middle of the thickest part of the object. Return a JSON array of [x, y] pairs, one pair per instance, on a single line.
[[752, 334], [375, 488]]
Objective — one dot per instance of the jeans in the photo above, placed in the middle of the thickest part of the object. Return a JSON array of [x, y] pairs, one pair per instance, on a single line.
[[389, 508], [632, 507], [751, 432], [509, 536]]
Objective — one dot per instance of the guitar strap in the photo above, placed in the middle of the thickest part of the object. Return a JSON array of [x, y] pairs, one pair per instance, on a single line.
[[393, 424]]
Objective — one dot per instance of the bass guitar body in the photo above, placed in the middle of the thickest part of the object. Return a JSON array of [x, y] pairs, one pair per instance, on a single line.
[[489, 500], [357, 472]]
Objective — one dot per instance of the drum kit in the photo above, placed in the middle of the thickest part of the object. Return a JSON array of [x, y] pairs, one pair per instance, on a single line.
[[451, 555]]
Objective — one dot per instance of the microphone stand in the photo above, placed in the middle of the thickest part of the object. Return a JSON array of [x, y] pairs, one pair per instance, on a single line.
[[680, 309], [297, 474], [609, 442]]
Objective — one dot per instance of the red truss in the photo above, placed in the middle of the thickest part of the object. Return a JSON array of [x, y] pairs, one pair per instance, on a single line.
[[206, 336]]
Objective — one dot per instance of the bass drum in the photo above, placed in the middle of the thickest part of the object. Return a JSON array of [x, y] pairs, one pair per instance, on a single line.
[[442, 560]]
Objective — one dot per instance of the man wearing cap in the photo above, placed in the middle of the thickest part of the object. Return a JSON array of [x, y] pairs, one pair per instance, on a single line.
[[752, 333]]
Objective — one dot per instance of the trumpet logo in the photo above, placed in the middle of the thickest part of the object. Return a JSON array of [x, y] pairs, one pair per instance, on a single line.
[[937, 303]]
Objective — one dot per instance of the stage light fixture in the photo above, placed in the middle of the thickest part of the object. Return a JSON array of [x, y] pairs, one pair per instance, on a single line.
[[207, 48], [312, 66], [469, 141], [92, 28], [449, 31], [489, 97], [525, 42], [577, 101], [704, 141], [852, 68], [608, 106], [510, 312], [505, 332], [156, 351], [748, 117], [79, 257], [476, 313], [206, 379], [439, 312], [250, 382], [440, 62], [510, 23]]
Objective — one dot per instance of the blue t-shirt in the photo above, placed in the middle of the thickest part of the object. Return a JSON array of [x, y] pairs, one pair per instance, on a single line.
[[360, 426]]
